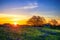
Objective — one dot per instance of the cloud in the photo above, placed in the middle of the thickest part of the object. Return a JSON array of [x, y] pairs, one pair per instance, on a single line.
[[28, 6], [24, 10]]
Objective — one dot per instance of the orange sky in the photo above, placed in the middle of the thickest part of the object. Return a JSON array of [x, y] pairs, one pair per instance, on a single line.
[[16, 19]]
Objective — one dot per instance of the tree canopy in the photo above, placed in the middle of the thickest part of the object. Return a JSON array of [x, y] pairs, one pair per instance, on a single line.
[[36, 21], [53, 22]]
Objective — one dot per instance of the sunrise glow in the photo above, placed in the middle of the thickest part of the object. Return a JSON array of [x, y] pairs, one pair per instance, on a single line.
[[18, 19], [21, 11], [29, 19]]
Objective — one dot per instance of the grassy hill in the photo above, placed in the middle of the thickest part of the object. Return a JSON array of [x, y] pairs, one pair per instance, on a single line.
[[29, 33]]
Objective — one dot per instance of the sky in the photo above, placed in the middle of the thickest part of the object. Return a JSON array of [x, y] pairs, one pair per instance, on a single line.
[[26, 8]]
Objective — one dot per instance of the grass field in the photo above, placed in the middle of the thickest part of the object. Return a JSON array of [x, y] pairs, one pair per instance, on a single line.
[[29, 33]]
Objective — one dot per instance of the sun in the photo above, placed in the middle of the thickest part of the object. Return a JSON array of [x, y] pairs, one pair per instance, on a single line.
[[15, 23]]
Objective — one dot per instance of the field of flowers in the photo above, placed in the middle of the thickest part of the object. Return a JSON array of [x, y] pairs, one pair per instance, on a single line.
[[29, 33]]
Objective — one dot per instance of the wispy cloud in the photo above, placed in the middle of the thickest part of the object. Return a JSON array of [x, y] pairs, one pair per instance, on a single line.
[[28, 6]]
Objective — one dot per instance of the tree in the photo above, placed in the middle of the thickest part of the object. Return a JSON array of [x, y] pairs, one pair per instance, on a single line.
[[53, 22], [36, 21]]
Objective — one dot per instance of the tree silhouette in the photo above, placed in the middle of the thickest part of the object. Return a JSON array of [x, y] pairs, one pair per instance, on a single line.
[[36, 21], [53, 22]]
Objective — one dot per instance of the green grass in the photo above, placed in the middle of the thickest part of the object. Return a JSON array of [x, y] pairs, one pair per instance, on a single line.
[[29, 33], [53, 30]]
